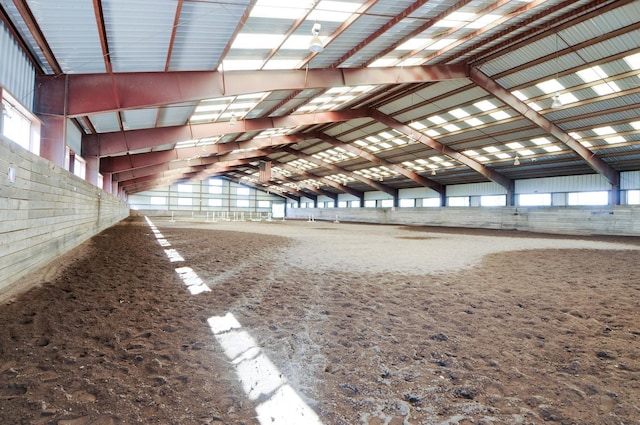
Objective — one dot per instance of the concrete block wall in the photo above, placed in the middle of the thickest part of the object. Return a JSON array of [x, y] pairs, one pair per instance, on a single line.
[[610, 220], [45, 212]]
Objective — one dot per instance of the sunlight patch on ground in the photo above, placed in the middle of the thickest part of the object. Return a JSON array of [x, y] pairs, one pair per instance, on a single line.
[[261, 380], [259, 377], [192, 280]]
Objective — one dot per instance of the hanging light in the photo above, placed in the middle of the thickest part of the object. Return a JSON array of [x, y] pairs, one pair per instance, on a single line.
[[233, 120], [433, 172], [516, 161], [557, 103], [315, 45]]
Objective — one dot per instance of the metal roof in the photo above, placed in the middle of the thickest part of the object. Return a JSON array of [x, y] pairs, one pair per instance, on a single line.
[[215, 86]]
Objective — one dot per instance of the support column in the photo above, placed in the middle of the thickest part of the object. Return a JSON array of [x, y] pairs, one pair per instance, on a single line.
[[93, 169], [53, 139], [107, 182]]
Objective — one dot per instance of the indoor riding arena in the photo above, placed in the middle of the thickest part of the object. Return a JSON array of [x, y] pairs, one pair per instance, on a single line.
[[350, 212]]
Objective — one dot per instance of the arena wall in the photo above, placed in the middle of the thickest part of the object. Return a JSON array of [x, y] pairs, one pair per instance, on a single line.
[[45, 212], [583, 220]]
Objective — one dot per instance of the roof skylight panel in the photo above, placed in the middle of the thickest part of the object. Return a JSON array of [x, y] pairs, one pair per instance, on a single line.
[[474, 122], [550, 86], [257, 41], [592, 74], [604, 131], [470, 152], [279, 9], [552, 148], [503, 155], [500, 115], [383, 62], [459, 113], [415, 44], [441, 44], [333, 11], [606, 88], [436, 119], [635, 125], [633, 61], [540, 141], [456, 19], [490, 149], [525, 152], [515, 145], [485, 105], [483, 21], [615, 139], [451, 127]]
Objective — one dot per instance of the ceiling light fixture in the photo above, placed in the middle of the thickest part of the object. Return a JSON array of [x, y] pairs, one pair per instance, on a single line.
[[315, 45], [233, 120], [433, 172], [557, 103], [516, 161]]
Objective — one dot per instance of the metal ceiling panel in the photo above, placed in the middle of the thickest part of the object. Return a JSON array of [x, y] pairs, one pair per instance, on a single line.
[[138, 34], [106, 122], [65, 20], [22, 28], [203, 32], [139, 118]]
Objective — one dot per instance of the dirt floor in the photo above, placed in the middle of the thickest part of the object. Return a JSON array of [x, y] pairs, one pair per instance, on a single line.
[[364, 324]]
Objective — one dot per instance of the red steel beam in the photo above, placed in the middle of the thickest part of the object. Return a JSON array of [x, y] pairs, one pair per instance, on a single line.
[[374, 184], [96, 93], [117, 164], [192, 164], [423, 181], [328, 182], [105, 144], [487, 172], [505, 96], [38, 36]]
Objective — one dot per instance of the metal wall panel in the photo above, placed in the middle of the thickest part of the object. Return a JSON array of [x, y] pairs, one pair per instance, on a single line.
[[476, 189], [581, 183], [630, 180], [17, 74]]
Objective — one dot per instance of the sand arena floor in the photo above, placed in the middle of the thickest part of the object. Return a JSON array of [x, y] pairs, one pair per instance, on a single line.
[[325, 323]]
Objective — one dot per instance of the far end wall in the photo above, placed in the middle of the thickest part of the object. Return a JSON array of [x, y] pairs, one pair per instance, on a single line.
[[45, 212]]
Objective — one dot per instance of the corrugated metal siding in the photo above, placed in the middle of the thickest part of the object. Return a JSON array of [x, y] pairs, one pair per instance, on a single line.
[[582, 183], [487, 188], [203, 32], [72, 34], [17, 74], [138, 34], [630, 180]]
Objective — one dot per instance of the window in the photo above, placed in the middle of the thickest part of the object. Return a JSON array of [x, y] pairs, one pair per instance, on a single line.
[[17, 124], [633, 197], [588, 198], [493, 201], [458, 201], [242, 203], [430, 202], [185, 202], [243, 191], [79, 167], [370, 204], [342, 204], [264, 204], [215, 202], [534, 199], [355, 204], [215, 186], [330, 204], [387, 203], [407, 203], [158, 200], [185, 188]]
